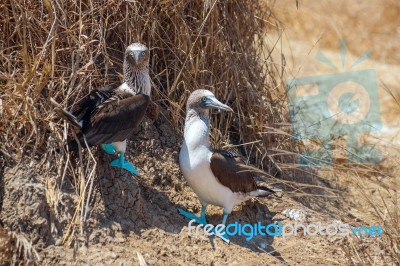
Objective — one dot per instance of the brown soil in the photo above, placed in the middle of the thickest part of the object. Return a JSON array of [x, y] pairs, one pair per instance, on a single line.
[[144, 218]]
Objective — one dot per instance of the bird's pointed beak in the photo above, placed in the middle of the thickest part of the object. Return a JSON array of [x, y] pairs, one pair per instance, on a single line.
[[215, 104], [136, 58], [133, 57]]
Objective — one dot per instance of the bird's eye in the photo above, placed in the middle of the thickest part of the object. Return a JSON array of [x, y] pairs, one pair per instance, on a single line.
[[132, 53], [204, 99], [143, 53]]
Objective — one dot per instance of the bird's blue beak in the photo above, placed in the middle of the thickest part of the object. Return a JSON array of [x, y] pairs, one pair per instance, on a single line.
[[213, 103]]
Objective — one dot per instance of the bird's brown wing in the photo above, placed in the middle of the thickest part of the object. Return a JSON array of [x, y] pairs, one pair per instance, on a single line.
[[227, 168], [113, 119], [84, 109]]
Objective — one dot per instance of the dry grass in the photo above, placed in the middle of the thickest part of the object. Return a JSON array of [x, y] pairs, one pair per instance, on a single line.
[[383, 250], [15, 249], [65, 49], [365, 25]]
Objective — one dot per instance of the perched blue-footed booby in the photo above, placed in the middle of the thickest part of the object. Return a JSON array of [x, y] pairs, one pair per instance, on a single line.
[[109, 115], [217, 177]]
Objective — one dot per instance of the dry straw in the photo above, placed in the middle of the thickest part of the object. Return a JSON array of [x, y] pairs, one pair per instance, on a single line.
[[65, 49]]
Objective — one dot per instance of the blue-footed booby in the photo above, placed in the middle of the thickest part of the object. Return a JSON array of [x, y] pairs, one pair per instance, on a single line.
[[217, 177], [109, 115]]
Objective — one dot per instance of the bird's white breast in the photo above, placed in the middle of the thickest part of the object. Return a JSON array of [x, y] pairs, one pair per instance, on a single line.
[[125, 87], [194, 159]]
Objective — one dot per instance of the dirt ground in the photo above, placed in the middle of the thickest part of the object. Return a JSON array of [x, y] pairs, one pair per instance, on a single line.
[[143, 222], [154, 228]]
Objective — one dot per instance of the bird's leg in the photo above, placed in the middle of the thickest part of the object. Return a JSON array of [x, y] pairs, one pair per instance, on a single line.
[[121, 163], [200, 220], [221, 233], [108, 148], [224, 217]]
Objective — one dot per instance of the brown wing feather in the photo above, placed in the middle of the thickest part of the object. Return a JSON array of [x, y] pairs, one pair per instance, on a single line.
[[114, 119], [86, 106], [227, 168]]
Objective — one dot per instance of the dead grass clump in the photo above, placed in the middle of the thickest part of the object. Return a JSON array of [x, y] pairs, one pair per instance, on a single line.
[[384, 250], [15, 249], [65, 49]]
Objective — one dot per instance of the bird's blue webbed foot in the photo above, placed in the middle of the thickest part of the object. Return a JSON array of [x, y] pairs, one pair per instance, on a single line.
[[121, 163], [108, 148], [200, 220]]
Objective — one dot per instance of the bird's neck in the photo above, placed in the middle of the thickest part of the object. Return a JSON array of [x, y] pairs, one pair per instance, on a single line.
[[137, 79], [196, 132]]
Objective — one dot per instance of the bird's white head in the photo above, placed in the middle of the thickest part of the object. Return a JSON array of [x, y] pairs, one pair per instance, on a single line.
[[201, 101], [197, 120], [137, 56], [136, 68]]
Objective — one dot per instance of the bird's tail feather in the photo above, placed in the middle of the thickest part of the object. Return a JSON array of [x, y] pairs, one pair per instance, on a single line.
[[65, 114], [259, 193], [263, 191], [266, 189]]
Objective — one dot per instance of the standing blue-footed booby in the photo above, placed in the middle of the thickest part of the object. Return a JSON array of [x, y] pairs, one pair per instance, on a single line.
[[217, 177], [109, 115]]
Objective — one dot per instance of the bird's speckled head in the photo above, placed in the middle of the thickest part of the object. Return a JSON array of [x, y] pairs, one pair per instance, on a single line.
[[136, 68], [137, 55], [201, 101]]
